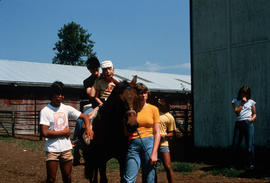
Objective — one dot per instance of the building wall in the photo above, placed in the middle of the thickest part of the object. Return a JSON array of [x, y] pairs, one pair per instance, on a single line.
[[229, 48], [25, 103], [24, 113], [21, 105]]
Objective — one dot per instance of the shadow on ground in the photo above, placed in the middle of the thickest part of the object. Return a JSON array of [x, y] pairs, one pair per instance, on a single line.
[[221, 160]]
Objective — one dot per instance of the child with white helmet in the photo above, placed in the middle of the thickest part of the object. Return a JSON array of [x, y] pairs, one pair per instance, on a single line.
[[103, 87]]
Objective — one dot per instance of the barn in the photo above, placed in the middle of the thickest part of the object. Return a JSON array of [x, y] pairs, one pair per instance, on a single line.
[[230, 43], [24, 91]]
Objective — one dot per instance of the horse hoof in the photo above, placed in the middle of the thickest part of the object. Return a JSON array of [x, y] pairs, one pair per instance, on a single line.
[[76, 163]]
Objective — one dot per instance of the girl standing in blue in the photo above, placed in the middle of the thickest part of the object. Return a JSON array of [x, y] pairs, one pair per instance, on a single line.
[[245, 110]]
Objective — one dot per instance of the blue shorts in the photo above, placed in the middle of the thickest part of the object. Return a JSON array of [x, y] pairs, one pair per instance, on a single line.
[[164, 149]]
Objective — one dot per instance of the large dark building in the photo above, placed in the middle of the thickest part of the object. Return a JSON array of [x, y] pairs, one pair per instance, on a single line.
[[230, 43]]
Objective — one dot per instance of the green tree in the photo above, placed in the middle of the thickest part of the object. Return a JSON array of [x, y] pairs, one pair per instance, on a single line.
[[74, 45]]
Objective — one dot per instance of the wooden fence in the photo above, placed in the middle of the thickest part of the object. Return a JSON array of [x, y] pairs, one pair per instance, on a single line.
[[183, 120], [7, 122], [22, 123], [27, 122]]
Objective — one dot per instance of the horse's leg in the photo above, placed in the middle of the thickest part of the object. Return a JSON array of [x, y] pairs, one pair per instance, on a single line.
[[92, 173], [121, 161], [102, 172], [90, 164], [76, 153], [76, 138], [95, 175], [156, 179]]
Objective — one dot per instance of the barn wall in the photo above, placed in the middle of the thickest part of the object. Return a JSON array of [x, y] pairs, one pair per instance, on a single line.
[[21, 105], [26, 114], [26, 103], [229, 48]]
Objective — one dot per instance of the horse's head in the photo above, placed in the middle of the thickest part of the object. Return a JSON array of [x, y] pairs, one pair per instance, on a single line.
[[130, 97]]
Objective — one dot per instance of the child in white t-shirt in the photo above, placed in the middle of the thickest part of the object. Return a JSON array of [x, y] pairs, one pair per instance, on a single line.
[[54, 126], [245, 110]]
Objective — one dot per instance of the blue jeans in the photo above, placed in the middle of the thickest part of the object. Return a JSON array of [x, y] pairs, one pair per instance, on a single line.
[[79, 124], [136, 156], [244, 129]]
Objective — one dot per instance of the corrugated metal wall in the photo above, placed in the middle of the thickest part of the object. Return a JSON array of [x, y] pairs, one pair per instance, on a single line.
[[229, 48]]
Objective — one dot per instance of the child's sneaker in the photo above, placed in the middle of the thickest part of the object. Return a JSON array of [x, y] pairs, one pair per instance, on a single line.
[[86, 139], [74, 143]]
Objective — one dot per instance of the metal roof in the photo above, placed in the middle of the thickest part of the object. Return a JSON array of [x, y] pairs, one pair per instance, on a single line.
[[43, 74]]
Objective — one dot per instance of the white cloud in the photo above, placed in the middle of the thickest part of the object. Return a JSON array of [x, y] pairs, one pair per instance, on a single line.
[[154, 67]]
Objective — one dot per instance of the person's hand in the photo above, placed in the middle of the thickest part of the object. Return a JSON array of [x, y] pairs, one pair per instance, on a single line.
[[115, 81], [153, 159], [66, 132], [163, 137], [244, 99], [89, 133]]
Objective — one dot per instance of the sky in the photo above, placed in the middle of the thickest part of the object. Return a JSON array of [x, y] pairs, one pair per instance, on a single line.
[[144, 35]]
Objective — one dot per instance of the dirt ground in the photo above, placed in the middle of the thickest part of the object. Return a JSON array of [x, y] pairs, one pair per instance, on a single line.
[[23, 165]]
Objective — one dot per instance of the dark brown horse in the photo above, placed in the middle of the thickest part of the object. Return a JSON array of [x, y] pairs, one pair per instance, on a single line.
[[110, 132]]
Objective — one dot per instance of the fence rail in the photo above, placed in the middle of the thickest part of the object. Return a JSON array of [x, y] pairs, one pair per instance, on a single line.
[[7, 121], [22, 122], [27, 122], [183, 120]]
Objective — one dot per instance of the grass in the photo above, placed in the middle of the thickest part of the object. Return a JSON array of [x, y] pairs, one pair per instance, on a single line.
[[33, 145], [113, 165], [183, 167], [227, 172]]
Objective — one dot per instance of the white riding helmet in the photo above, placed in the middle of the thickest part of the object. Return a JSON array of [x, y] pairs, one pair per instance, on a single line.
[[106, 64]]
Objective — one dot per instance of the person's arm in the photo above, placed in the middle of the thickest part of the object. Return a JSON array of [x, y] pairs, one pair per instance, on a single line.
[[169, 135], [88, 91], [94, 93], [88, 127], [237, 109], [154, 154], [54, 134], [254, 115], [100, 103], [116, 82], [171, 127], [87, 83]]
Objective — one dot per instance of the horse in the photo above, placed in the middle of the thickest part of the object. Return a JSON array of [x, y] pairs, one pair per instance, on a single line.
[[111, 125]]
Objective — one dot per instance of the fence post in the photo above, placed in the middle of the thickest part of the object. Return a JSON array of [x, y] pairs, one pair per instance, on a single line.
[[39, 128], [13, 124], [35, 114], [186, 122]]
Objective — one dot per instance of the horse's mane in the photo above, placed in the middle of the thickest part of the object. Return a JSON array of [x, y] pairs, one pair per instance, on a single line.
[[113, 103], [115, 95]]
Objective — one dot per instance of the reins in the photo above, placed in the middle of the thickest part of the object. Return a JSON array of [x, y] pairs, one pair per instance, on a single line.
[[156, 164]]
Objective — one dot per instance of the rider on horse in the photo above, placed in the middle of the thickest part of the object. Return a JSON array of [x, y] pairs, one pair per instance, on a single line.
[[98, 87]]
